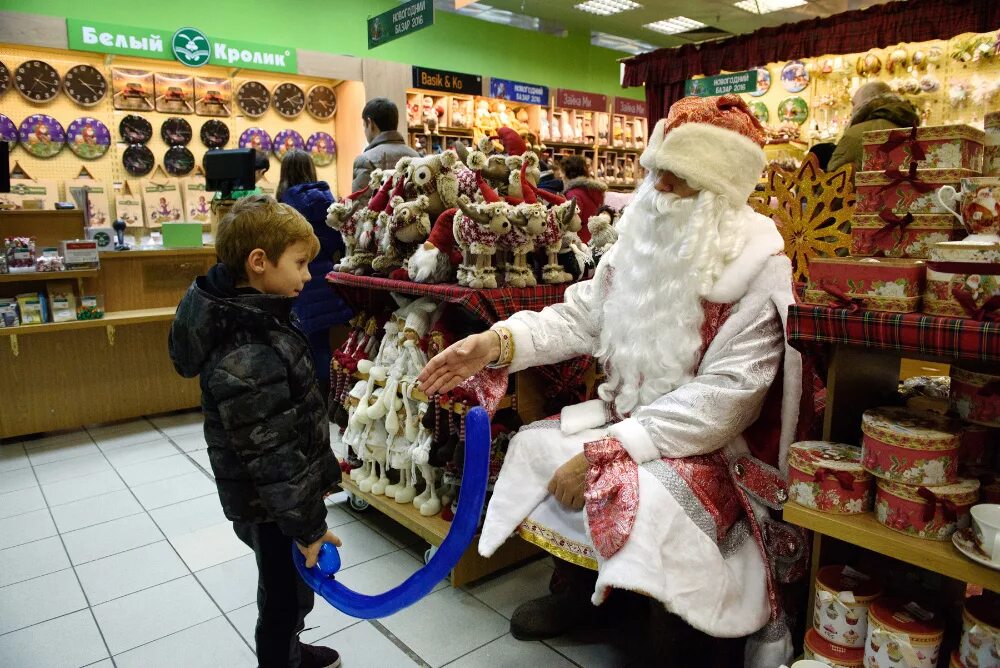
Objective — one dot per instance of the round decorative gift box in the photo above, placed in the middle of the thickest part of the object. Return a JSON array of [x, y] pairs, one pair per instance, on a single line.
[[980, 646], [829, 477], [902, 634], [843, 596], [819, 648], [975, 396], [933, 513], [912, 447]]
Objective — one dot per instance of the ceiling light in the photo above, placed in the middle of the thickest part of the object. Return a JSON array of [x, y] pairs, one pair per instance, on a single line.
[[676, 25], [619, 43], [767, 6], [607, 7]]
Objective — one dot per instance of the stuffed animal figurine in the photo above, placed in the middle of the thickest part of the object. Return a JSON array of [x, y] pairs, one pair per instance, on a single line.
[[543, 125], [442, 177], [477, 232], [458, 118], [343, 216], [603, 234], [561, 217], [429, 116], [528, 220]]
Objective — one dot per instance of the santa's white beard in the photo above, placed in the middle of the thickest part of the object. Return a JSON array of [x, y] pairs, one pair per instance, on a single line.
[[669, 254]]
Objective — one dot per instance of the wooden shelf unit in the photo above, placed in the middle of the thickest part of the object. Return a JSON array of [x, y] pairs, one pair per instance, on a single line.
[[29, 276], [111, 319]]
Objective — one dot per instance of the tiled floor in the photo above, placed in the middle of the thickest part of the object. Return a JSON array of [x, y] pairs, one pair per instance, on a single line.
[[114, 552]]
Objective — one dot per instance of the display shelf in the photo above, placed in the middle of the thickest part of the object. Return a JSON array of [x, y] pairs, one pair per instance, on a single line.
[[866, 532], [49, 227], [47, 275], [506, 402], [159, 252], [116, 318]]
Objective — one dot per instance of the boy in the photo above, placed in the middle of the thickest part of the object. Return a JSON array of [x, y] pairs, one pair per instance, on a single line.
[[265, 418]]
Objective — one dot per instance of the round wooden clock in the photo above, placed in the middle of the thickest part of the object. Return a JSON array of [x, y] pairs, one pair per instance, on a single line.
[[85, 85], [321, 102], [289, 100], [176, 132], [253, 98], [4, 79], [178, 161], [135, 129], [138, 160], [214, 134], [37, 81]]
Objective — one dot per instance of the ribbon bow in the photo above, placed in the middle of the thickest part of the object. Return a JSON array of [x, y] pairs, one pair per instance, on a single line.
[[612, 494], [910, 657], [844, 300], [896, 177], [845, 479], [900, 137], [990, 310], [892, 222], [840, 599], [948, 508]]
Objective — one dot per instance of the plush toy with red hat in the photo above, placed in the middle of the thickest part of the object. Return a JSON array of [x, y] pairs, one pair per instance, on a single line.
[[442, 177], [528, 219], [560, 219], [438, 258], [345, 215], [478, 227]]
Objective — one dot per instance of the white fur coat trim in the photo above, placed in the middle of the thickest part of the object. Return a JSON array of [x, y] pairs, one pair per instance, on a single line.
[[762, 241]]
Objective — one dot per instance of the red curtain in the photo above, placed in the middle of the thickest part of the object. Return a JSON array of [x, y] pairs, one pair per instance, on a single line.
[[664, 71]]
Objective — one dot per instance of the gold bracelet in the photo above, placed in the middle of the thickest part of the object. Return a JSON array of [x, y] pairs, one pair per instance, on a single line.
[[506, 348]]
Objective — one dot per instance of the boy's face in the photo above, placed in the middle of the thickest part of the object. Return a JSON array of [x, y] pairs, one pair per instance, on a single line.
[[287, 276]]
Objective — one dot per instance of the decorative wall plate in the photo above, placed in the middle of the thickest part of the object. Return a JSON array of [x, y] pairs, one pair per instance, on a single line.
[[36, 81], [85, 85], [322, 147], [176, 132], [174, 93], [321, 102], [253, 98], [287, 140], [8, 131], [138, 160], [178, 161], [132, 89], [763, 81], [256, 138], [793, 109], [794, 76], [214, 134], [289, 99], [88, 138], [4, 79], [213, 97], [759, 110], [135, 129], [42, 136]]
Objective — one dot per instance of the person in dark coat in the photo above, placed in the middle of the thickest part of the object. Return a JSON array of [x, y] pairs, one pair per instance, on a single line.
[[875, 107], [588, 192], [549, 178], [319, 307], [266, 421], [385, 143]]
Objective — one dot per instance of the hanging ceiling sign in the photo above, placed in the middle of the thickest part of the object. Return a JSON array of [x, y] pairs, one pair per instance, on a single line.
[[447, 82], [629, 107], [575, 99], [409, 17], [722, 84], [517, 91], [188, 46]]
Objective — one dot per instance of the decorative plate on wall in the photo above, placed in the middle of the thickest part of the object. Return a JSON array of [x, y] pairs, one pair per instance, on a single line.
[[176, 132], [253, 98], [256, 138], [793, 109], [763, 81], [214, 134], [178, 161], [8, 131], [138, 160], [37, 81], [4, 79], [42, 136], [85, 85], [135, 129], [321, 102], [289, 99], [794, 76], [759, 110], [88, 138], [287, 140], [322, 148]]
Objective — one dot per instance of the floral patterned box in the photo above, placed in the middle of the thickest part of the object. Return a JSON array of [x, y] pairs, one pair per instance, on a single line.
[[911, 447], [843, 596], [829, 477], [991, 152], [901, 194], [931, 147], [932, 513], [872, 235], [876, 284], [818, 648], [902, 634], [975, 396], [980, 646], [962, 279]]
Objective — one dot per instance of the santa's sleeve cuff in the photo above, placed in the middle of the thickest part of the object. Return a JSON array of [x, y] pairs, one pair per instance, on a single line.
[[525, 355], [635, 439]]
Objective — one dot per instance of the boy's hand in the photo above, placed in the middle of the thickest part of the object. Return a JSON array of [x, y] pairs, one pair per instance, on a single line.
[[311, 553]]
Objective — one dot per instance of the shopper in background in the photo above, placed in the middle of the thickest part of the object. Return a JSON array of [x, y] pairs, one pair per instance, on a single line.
[[875, 107], [385, 144], [588, 192], [318, 307], [551, 177], [823, 152], [266, 421]]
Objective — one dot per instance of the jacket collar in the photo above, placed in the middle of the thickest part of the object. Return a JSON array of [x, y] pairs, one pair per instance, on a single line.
[[587, 183], [386, 137]]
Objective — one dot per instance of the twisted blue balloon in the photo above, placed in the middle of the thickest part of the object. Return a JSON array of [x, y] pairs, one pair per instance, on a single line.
[[471, 497]]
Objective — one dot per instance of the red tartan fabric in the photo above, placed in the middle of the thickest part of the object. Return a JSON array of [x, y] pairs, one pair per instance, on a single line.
[[958, 338]]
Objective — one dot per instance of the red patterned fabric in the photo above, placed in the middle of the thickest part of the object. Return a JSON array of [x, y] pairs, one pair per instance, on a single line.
[[728, 112], [612, 494], [707, 476]]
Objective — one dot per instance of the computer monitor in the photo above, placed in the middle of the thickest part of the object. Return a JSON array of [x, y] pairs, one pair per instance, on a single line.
[[226, 171], [4, 167]]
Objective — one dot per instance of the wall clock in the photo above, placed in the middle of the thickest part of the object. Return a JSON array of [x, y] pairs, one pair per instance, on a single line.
[[178, 161], [253, 98], [135, 129], [138, 160], [88, 138], [321, 102], [214, 134], [4, 79], [176, 132], [8, 131], [322, 148], [85, 85], [256, 139], [37, 81], [42, 136], [289, 100], [287, 140]]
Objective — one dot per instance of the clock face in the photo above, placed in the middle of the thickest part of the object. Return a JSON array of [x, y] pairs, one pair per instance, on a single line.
[[135, 129], [321, 102], [178, 161], [138, 160], [4, 79], [289, 100], [176, 132], [214, 134], [253, 98], [85, 85], [37, 81]]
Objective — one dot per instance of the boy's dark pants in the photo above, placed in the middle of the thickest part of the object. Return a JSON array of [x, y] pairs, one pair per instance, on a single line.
[[283, 599]]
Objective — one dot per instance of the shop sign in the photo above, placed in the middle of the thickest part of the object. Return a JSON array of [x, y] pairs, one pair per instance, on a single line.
[[517, 91], [447, 82], [722, 84], [408, 17], [574, 99], [629, 107], [189, 46]]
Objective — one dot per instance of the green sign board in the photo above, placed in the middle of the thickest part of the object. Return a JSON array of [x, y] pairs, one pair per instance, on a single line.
[[721, 84], [408, 17], [189, 46]]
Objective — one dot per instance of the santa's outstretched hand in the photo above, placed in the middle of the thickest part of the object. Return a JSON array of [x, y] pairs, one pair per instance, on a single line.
[[462, 359]]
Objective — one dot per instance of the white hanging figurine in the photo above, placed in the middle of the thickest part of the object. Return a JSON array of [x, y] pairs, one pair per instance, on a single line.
[[427, 502]]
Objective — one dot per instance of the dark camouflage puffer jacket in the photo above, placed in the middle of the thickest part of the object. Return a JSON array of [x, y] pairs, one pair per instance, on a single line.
[[265, 417]]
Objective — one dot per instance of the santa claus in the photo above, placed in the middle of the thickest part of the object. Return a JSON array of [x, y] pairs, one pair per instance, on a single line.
[[662, 485]]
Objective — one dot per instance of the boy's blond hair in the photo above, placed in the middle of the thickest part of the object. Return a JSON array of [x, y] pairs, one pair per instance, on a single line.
[[259, 221]]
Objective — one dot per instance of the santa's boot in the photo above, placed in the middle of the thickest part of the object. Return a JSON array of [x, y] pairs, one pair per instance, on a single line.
[[568, 606]]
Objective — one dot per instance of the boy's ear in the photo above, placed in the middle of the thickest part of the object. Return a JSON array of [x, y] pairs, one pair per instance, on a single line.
[[256, 261]]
